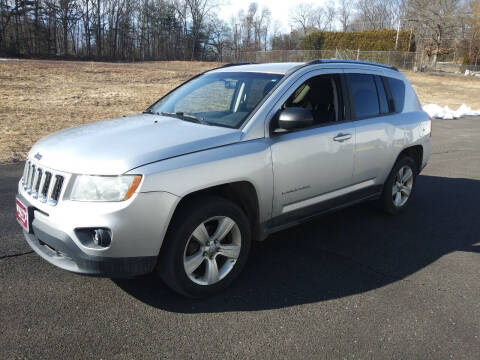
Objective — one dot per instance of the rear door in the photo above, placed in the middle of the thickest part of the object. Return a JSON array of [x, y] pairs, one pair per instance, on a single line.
[[376, 133], [310, 163]]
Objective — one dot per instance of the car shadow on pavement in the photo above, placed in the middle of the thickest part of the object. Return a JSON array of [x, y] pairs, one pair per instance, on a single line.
[[348, 252]]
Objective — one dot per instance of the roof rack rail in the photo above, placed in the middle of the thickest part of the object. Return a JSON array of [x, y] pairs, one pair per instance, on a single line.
[[345, 61], [236, 64]]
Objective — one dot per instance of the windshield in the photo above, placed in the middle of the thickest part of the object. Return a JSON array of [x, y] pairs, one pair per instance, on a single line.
[[223, 99]]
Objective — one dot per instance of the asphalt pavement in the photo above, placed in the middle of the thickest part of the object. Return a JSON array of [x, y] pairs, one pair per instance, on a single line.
[[355, 284]]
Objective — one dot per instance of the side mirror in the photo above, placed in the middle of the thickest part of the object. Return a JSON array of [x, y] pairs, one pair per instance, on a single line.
[[295, 118]]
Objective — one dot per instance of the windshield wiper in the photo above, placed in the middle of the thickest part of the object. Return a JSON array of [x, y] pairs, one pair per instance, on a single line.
[[183, 116], [149, 111]]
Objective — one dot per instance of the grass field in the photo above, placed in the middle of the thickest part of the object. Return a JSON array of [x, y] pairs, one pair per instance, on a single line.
[[39, 97]]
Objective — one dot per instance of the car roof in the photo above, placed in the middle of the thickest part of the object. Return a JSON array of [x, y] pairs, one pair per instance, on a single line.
[[270, 68], [284, 67]]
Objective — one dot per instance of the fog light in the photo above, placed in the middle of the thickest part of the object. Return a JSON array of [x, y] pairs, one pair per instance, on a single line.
[[101, 237]]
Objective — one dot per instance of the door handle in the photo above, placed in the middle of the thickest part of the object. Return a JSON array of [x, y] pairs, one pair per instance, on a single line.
[[342, 137]]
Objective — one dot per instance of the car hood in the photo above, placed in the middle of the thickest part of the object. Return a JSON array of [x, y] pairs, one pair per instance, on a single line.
[[115, 146]]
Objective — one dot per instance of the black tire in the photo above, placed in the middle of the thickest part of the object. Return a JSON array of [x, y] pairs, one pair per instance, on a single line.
[[386, 200], [171, 260]]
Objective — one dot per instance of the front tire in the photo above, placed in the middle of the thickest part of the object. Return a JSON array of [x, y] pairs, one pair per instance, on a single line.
[[206, 247], [398, 188]]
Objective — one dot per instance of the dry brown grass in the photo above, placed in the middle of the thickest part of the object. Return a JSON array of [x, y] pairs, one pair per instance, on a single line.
[[39, 97], [444, 90]]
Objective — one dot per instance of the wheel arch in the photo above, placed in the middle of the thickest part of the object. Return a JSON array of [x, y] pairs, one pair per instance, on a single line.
[[415, 152], [242, 193]]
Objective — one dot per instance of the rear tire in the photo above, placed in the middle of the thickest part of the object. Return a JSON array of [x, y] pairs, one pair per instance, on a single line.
[[206, 247], [399, 187]]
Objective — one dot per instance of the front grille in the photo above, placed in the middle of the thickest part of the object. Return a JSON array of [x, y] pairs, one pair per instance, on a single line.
[[41, 184], [31, 175], [46, 186], [38, 179], [56, 189]]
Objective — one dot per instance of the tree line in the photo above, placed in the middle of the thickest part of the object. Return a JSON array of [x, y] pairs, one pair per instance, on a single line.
[[192, 30], [128, 29], [439, 27]]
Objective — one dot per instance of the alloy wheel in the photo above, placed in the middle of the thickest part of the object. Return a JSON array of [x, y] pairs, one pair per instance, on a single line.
[[402, 186], [212, 250]]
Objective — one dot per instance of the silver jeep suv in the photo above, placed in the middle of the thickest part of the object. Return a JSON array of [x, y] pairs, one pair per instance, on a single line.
[[230, 156]]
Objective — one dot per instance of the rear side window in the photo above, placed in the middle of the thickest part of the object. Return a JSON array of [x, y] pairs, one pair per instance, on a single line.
[[382, 96], [397, 90], [364, 93]]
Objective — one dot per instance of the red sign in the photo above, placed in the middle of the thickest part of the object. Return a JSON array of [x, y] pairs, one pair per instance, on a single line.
[[22, 215]]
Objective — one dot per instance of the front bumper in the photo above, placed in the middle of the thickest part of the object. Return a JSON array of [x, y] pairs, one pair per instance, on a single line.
[[137, 225], [60, 250]]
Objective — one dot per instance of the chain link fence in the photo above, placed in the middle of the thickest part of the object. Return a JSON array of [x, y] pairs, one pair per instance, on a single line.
[[416, 61]]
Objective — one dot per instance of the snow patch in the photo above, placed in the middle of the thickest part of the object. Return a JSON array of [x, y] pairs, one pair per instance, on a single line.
[[438, 112]]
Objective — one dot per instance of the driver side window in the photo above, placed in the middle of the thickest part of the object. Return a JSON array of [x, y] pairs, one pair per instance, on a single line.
[[320, 95]]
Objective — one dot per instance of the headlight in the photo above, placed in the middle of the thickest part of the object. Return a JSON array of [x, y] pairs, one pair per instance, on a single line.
[[104, 188]]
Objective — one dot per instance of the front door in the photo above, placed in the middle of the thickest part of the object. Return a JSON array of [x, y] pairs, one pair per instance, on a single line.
[[311, 164]]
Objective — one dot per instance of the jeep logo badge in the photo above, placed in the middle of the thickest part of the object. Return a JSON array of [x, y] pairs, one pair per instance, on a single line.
[[38, 156]]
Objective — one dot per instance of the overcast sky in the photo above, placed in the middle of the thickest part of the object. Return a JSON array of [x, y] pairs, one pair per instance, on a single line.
[[279, 9]]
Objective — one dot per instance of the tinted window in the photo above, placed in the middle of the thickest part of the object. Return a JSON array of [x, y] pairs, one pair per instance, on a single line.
[[382, 96], [364, 92], [319, 95], [397, 89]]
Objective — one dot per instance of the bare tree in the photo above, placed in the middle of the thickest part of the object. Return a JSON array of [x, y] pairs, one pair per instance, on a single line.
[[199, 9], [301, 16], [435, 20], [86, 16], [68, 15], [260, 24], [250, 28], [473, 32], [7, 11], [248, 23], [98, 25], [307, 17], [220, 35], [344, 13], [373, 15], [322, 18]]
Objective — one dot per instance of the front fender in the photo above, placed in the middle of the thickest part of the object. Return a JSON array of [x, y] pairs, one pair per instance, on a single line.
[[244, 161]]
